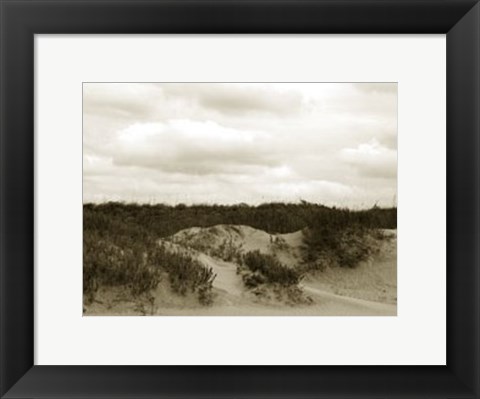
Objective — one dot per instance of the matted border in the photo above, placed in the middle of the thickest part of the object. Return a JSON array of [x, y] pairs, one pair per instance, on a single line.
[[20, 20], [419, 331]]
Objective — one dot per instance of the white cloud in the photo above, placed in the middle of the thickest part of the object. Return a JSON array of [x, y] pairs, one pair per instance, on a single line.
[[182, 146], [372, 160], [329, 143]]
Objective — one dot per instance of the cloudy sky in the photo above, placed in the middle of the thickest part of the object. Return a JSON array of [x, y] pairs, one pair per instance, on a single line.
[[330, 143]]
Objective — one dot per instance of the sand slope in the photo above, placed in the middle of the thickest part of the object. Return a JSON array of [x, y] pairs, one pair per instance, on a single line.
[[286, 247], [369, 289], [373, 280]]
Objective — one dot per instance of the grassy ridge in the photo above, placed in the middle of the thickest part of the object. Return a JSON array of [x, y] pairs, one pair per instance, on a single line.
[[164, 220]]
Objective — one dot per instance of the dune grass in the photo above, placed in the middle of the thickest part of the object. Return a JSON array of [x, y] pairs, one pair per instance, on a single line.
[[139, 266]]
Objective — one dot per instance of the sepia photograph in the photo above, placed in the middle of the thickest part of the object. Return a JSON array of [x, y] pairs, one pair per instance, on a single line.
[[240, 199]]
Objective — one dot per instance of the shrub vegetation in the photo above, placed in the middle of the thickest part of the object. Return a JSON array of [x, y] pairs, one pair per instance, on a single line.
[[163, 220], [268, 269], [139, 266], [344, 238], [267, 278]]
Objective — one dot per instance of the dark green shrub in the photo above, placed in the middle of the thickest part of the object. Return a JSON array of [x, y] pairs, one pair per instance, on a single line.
[[185, 274], [270, 268], [344, 245], [139, 268], [105, 264], [252, 280]]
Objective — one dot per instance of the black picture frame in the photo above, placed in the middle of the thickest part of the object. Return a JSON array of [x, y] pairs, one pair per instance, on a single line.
[[22, 19]]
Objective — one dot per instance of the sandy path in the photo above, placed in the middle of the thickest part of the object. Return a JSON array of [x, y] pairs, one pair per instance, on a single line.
[[227, 278], [326, 305], [232, 293], [357, 306]]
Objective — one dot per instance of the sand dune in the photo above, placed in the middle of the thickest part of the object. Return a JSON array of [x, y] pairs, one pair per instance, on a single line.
[[286, 247], [369, 289]]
